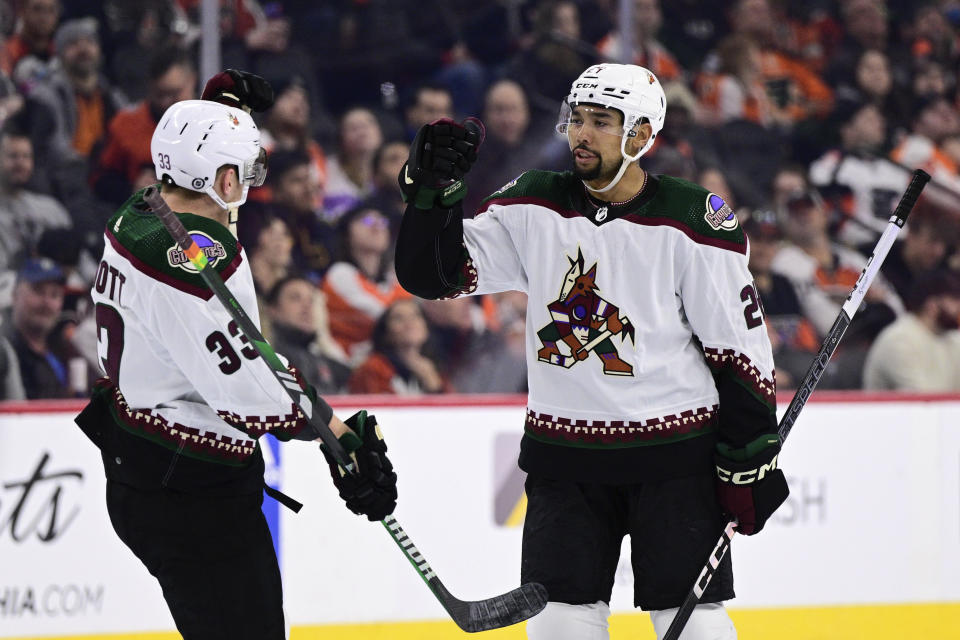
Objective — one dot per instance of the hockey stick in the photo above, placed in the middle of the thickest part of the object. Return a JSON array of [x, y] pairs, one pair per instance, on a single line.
[[569, 361], [514, 606], [809, 382]]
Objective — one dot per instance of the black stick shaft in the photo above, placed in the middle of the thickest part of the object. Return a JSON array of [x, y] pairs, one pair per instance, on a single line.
[[809, 382]]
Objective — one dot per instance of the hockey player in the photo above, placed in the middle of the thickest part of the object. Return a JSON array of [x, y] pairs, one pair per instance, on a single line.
[[651, 408], [186, 396]]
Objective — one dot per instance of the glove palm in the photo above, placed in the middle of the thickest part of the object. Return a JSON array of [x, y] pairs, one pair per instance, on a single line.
[[441, 154]]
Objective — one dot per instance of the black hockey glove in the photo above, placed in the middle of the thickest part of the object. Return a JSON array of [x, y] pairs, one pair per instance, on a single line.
[[373, 491], [441, 154], [750, 487], [239, 89]]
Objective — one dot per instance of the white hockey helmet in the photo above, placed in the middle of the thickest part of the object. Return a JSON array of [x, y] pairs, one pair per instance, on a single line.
[[197, 137], [630, 89]]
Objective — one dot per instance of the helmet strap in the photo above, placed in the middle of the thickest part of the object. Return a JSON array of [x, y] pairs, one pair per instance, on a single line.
[[627, 161], [232, 218], [210, 191]]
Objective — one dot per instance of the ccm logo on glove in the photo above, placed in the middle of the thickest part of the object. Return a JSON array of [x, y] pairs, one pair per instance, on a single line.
[[750, 487], [748, 476]]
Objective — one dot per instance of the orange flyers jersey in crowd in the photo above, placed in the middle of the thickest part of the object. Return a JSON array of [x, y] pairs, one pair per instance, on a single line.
[[652, 55], [127, 149], [808, 96], [355, 302]]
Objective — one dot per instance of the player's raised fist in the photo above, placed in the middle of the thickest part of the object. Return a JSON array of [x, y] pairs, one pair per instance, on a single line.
[[441, 154], [239, 89]]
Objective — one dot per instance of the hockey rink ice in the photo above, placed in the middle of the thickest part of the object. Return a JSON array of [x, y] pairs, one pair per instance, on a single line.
[[867, 545]]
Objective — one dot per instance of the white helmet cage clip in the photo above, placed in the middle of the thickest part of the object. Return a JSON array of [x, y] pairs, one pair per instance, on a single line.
[[196, 137], [630, 89]]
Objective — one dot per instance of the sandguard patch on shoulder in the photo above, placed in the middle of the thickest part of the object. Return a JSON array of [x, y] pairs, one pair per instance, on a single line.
[[547, 188], [138, 235]]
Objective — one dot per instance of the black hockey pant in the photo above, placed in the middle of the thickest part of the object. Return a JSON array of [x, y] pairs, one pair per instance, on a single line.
[[213, 557]]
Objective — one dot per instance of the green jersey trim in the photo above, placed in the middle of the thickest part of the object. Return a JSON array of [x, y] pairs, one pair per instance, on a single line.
[[666, 201], [139, 236]]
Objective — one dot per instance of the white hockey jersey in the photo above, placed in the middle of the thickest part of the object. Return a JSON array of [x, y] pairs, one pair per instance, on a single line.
[[180, 372], [643, 325]]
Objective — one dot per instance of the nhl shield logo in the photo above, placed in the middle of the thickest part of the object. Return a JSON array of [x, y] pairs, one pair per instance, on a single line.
[[212, 249], [719, 215]]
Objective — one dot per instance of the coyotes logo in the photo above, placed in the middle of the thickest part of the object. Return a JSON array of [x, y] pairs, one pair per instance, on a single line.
[[583, 323]]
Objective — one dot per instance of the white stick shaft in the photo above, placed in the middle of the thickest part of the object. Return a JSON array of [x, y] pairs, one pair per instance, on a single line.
[[869, 272]]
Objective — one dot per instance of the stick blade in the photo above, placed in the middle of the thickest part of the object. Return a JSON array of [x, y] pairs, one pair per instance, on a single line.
[[510, 608]]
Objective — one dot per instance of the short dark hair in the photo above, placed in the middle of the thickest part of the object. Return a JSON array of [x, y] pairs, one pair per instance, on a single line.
[[378, 336], [274, 293], [427, 86], [938, 282], [14, 128], [165, 59], [282, 161], [378, 155]]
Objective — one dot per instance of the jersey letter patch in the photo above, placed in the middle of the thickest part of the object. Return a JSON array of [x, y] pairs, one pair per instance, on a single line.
[[210, 247], [719, 215]]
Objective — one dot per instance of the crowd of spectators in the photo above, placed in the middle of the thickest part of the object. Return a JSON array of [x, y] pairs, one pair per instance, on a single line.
[[807, 117]]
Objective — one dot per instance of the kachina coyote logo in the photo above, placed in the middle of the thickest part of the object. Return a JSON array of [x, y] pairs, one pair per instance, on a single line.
[[584, 323]]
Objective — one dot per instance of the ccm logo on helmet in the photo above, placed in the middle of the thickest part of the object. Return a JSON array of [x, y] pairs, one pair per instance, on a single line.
[[586, 85], [748, 476]]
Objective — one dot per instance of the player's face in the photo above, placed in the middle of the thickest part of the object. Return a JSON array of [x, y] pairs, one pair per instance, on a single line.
[[594, 135]]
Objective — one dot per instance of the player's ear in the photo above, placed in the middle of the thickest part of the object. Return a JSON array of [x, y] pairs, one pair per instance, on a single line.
[[226, 182], [634, 144]]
